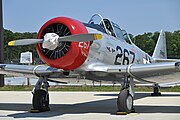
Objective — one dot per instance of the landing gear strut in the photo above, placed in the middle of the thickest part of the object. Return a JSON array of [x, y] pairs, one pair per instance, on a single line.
[[125, 97], [41, 96], [156, 90]]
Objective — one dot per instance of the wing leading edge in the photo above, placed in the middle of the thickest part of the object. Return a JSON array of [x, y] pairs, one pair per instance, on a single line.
[[139, 71], [28, 71]]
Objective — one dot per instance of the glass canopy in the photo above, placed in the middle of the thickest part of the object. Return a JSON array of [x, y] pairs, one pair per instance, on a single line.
[[110, 27]]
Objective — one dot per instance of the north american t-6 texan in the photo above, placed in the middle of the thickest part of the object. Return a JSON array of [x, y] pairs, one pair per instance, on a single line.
[[97, 50]]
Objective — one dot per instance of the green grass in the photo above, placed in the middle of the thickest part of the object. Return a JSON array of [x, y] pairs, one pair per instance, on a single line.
[[85, 88], [16, 88]]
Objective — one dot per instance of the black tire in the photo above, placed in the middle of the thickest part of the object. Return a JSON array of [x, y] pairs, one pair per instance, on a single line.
[[156, 90], [125, 101], [39, 100]]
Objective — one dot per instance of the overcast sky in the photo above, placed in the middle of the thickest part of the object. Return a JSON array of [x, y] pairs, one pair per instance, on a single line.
[[135, 16]]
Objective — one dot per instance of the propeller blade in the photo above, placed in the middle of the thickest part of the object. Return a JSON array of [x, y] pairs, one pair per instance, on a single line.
[[24, 42], [51, 40], [80, 38]]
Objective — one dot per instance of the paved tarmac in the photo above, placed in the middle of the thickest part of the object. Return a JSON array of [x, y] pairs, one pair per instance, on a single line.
[[89, 106]]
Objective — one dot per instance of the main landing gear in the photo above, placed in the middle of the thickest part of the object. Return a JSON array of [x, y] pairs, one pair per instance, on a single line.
[[156, 90], [125, 97], [40, 96]]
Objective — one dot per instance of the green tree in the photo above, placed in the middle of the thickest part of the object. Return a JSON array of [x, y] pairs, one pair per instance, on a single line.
[[13, 53], [147, 42]]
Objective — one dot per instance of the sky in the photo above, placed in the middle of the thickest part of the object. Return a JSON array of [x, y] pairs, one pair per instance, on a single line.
[[135, 16]]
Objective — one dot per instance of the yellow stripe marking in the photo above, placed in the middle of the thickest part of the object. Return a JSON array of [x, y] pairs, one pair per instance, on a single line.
[[11, 43], [34, 111], [121, 113], [97, 36]]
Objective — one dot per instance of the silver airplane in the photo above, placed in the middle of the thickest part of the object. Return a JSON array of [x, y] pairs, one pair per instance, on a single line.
[[97, 50]]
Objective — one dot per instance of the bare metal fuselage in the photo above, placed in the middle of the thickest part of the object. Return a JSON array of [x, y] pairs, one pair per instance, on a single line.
[[114, 51]]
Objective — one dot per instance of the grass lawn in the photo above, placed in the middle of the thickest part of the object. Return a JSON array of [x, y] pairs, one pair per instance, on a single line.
[[86, 88]]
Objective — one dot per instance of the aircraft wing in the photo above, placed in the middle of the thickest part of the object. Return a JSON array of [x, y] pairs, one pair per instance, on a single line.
[[139, 71], [28, 70]]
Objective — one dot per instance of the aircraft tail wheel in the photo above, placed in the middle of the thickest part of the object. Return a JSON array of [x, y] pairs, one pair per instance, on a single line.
[[41, 100], [124, 102]]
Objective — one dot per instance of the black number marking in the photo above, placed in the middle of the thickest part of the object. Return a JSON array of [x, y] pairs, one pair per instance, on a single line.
[[133, 54], [118, 56], [125, 57]]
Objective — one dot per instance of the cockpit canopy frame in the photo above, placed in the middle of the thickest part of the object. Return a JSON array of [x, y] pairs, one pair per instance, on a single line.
[[110, 27]]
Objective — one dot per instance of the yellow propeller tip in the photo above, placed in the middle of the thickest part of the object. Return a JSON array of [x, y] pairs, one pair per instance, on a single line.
[[98, 36], [11, 43]]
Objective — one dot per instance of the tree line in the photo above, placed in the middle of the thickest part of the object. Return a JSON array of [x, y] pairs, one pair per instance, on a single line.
[[12, 54], [146, 42]]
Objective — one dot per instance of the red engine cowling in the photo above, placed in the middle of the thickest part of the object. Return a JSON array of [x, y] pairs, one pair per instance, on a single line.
[[68, 55]]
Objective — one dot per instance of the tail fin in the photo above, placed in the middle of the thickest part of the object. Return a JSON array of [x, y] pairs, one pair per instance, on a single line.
[[160, 49]]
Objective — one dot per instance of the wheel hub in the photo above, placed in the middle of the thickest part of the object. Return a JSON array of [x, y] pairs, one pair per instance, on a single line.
[[129, 102]]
